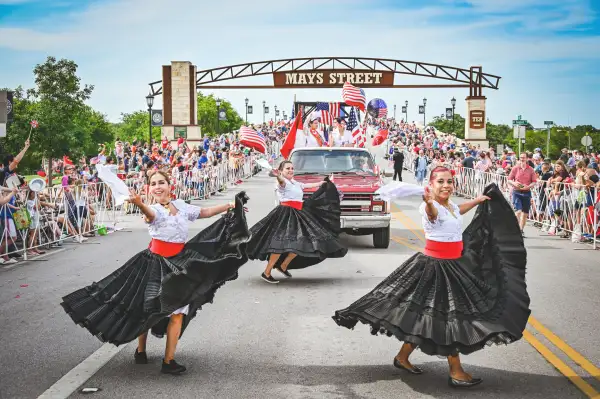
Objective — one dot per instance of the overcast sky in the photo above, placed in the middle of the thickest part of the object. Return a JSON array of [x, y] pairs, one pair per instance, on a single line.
[[546, 51]]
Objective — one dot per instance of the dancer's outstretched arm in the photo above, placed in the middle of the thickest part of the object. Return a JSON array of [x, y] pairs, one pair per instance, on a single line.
[[467, 206], [148, 212], [215, 210]]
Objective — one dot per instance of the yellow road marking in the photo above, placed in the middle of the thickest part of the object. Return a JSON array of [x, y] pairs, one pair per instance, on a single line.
[[561, 366], [406, 243], [563, 346], [541, 348], [408, 223]]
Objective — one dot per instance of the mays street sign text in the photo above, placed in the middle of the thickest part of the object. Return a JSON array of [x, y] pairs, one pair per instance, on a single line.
[[333, 78]]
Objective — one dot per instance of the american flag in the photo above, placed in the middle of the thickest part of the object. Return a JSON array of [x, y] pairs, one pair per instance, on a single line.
[[253, 139], [353, 127], [382, 113], [329, 111], [354, 96]]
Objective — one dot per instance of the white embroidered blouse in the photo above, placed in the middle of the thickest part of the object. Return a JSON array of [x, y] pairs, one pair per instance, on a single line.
[[173, 228], [293, 191], [446, 228]]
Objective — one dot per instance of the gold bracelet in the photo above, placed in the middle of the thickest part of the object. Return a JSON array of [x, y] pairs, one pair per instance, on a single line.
[[231, 205]]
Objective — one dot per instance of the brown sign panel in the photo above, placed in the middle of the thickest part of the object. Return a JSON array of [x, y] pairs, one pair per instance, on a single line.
[[477, 119], [333, 78]]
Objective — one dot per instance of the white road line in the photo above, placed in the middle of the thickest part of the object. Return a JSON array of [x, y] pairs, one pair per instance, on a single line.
[[64, 387]]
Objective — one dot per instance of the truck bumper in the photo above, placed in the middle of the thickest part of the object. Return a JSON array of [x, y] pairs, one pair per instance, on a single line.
[[365, 221]]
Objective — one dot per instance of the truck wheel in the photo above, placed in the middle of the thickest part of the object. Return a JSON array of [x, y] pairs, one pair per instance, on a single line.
[[381, 238]]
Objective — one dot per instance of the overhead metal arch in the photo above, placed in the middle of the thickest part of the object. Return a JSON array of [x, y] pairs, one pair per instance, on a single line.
[[472, 77]]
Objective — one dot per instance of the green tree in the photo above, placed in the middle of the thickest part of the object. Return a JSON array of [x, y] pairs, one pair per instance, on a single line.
[[134, 127], [456, 127], [60, 101], [207, 116]]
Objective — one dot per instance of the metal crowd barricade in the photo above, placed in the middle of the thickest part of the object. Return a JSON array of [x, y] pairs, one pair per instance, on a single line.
[[56, 215], [564, 209]]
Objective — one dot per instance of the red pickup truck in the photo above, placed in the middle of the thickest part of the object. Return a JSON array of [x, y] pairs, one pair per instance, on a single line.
[[358, 177]]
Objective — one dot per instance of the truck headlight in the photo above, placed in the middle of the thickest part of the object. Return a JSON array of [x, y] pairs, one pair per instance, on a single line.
[[377, 208]]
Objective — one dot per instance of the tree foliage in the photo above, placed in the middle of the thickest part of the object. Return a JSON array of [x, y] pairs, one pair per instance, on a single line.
[[135, 127], [560, 136], [67, 126], [207, 116]]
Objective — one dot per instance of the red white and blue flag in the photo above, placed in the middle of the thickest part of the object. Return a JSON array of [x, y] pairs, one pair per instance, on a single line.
[[252, 139], [354, 128], [382, 113], [329, 111], [354, 96]]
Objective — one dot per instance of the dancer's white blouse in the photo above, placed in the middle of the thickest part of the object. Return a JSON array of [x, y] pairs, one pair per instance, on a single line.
[[292, 191], [173, 228], [446, 228]]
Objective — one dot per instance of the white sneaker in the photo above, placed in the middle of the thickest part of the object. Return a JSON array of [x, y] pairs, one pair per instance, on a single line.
[[11, 261], [78, 239], [84, 238]]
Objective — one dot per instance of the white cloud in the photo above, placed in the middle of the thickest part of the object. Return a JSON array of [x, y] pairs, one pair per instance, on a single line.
[[120, 47]]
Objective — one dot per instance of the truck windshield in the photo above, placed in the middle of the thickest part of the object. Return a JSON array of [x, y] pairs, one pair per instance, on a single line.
[[337, 161]]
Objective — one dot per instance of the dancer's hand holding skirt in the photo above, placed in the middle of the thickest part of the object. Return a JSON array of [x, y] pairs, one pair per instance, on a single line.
[[311, 233], [446, 307], [142, 293]]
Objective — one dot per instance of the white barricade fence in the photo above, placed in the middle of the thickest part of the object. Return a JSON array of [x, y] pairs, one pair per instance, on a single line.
[[564, 209], [35, 222]]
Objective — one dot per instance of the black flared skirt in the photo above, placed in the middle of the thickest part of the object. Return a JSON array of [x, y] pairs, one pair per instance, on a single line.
[[446, 307], [311, 233], [141, 294]]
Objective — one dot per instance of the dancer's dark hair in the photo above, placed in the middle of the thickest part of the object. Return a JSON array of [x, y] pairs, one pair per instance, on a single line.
[[282, 164], [439, 169]]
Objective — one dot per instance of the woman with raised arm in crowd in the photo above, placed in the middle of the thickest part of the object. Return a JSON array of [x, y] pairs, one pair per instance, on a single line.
[[161, 288], [465, 291], [298, 233]]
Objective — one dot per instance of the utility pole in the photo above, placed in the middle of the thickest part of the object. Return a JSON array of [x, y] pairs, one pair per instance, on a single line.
[[548, 127]]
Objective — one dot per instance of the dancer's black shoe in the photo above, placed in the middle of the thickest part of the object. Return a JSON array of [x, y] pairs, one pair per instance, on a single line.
[[140, 357], [172, 368], [413, 370], [284, 272], [454, 383], [269, 279]]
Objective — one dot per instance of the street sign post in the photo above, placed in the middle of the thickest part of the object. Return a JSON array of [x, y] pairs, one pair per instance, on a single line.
[[548, 126], [520, 122], [586, 141]]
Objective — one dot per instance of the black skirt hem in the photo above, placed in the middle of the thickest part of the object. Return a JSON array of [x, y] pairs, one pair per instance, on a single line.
[[424, 344]]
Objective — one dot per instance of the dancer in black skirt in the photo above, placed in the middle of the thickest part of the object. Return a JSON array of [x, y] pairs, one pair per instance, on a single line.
[[162, 287], [297, 233], [467, 290]]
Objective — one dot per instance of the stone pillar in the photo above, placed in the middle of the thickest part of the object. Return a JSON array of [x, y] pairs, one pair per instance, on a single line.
[[180, 102], [475, 122]]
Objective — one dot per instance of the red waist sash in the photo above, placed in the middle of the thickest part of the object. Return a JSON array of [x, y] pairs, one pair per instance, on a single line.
[[166, 249], [293, 204], [443, 250]]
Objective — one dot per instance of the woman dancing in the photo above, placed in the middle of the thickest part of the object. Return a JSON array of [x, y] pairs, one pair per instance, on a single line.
[[297, 233], [467, 290], [162, 287]]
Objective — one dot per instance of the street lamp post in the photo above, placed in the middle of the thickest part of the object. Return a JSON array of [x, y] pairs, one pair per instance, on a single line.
[[406, 111], [424, 111], [275, 108], [246, 110], [150, 102], [218, 102], [453, 102], [394, 111], [264, 107]]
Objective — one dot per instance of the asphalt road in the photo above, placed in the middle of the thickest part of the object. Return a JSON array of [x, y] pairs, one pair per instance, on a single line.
[[264, 341]]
